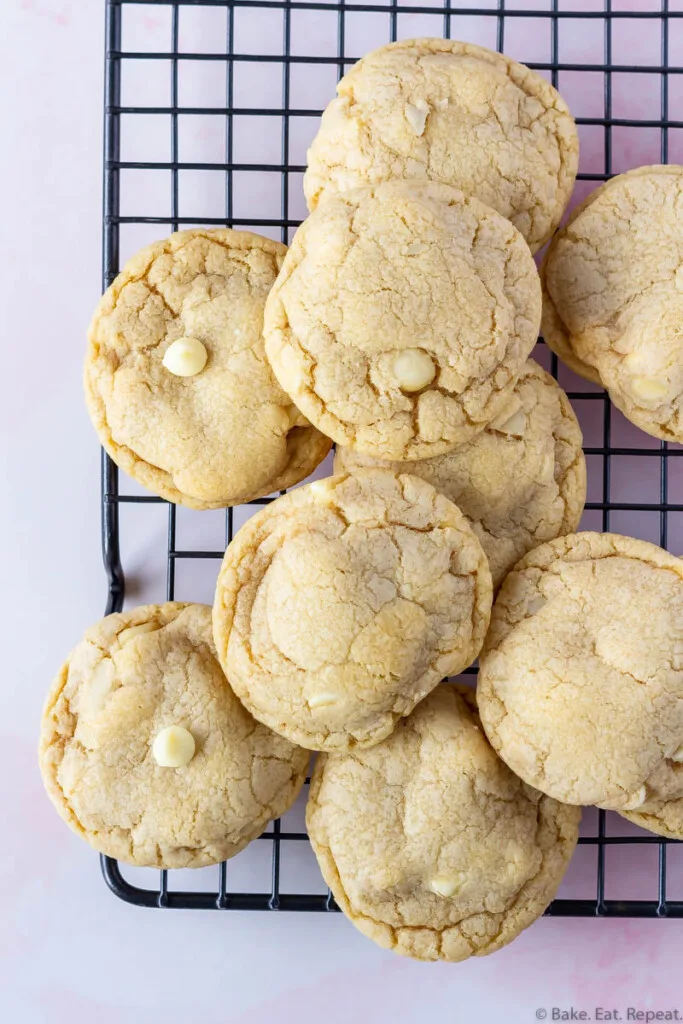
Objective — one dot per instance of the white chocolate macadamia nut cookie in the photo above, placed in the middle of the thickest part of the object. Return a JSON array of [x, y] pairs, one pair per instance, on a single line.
[[147, 753], [520, 482], [445, 111], [581, 677], [343, 603], [402, 317], [176, 378], [429, 843], [613, 295]]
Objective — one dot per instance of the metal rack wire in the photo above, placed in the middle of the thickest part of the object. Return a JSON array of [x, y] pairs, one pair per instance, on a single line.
[[445, 17]]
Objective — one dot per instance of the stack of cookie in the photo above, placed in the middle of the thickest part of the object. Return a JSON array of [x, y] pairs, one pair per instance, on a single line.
[[222, 367]]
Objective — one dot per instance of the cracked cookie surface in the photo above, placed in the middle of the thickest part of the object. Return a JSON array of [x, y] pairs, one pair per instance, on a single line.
[[520, 482], [227, 434], [455, 113], [429, 843], [133, 675], [345, 602], [402, 317], [580, 685], [613, 295]]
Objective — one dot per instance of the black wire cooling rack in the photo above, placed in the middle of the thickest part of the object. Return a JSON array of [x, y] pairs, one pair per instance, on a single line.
[[619, 891]]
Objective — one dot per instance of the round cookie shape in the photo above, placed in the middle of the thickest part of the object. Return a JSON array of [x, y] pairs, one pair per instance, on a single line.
[[580, 685], [343, 603], [612, 287], [402, 317], [429, 843], [520, 482], [455, 113], [114, 751], [176, 378]]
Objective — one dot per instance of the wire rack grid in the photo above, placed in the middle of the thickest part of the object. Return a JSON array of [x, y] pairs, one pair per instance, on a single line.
[[244, 73]]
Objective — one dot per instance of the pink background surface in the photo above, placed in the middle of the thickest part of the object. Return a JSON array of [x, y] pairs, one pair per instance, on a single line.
[[69, 951]]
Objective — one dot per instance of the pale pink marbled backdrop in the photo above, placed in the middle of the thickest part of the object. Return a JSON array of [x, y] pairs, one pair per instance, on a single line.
[[69, 951]]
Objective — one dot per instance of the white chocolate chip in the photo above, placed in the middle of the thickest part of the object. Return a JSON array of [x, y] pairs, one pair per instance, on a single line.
[[636, 799], [535, 605], [413, 369], [290, 368], [511, 407], [648, 388], [321, 491], [548, 467], [320, 488], [415, 248], [447, 885], [442, 103], [515, 425], [94, 695], [677, 755], [322, 700], [416, 116], [173, 747], [186, 357], [129, 634], [634, 361]]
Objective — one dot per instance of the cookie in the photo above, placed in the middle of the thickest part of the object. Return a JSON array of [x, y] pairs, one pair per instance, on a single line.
[[612, 303], [345, 602], [662, 808], [581, 677], [520, 482], [454, 113], [429, 843], [402, 317], [176, 379], [147, 753]]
